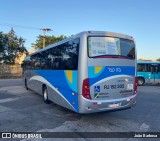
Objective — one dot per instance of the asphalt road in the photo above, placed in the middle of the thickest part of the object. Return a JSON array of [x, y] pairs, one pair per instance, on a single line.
[[22, 110]]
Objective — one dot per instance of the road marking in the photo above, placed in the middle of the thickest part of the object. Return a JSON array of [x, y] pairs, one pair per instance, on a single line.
[[4, 109], [144, 127], [14, 89], [8, 99]]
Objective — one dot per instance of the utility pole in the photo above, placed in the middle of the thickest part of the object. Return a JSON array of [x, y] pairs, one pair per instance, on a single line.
[[44, 36]]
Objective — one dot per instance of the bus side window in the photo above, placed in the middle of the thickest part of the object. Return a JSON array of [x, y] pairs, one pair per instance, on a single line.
[[62, 57], [139, 67], [44, 60], [142, 68], [70, 55], [151, 69], [146, 68], [157, 69]]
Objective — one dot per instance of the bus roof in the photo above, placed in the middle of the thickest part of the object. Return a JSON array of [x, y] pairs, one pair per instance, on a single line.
[[104, 33], [88, 33]]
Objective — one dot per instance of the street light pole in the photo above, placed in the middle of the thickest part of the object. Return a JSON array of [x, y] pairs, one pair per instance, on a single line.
[[44, 37]]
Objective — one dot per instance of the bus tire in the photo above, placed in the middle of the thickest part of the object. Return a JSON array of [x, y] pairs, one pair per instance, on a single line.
[[141, 81], [26, 84], [45, 95]]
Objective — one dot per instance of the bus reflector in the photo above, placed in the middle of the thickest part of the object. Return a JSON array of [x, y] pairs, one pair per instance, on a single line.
[[94, 103], [135, 85], [86, 89]]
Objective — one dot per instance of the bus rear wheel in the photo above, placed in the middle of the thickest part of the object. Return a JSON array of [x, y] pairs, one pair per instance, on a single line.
[[140, 81], [45, 95]]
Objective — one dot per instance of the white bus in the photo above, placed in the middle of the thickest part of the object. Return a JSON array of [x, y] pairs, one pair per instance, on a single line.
[[92, 71]]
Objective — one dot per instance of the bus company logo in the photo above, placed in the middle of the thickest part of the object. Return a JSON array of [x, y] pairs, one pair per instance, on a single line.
[[114, 70], [96, 88]]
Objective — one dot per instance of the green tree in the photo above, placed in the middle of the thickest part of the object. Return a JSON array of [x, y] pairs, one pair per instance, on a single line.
[[158, 59], [11, 47], [48, 40]]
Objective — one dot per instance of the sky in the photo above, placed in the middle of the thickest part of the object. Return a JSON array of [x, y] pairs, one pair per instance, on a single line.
[[138, 18]]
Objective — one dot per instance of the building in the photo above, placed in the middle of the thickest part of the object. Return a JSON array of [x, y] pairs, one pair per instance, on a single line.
[[20, 60]]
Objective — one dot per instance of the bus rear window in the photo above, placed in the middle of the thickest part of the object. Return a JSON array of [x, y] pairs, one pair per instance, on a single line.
[[110, 47]]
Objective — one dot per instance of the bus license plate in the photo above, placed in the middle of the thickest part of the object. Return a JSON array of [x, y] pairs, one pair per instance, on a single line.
[[114, 105]]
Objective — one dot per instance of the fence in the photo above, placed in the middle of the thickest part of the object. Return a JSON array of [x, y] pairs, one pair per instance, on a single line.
[[10, 71]]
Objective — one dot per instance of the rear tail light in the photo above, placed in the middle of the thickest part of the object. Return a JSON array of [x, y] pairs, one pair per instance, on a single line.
[[86, 89], [135, 85]]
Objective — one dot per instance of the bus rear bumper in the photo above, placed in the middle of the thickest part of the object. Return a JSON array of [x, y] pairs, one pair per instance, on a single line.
[[92, 106]]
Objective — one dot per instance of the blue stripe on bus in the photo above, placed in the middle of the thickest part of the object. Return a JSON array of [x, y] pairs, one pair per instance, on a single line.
[[66, 81], [59, 79]]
